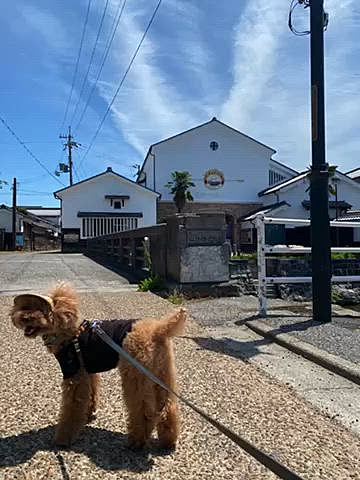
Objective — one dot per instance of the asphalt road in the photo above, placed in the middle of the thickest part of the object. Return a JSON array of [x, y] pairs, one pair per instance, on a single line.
[[23, 272]]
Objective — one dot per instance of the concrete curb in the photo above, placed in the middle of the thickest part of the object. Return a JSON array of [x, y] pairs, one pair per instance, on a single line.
[[327, 360]]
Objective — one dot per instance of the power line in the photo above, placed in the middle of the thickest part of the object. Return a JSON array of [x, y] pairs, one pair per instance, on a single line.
[[91, 61], [122, 81], [293, 5], [28, 150], [76, 173], [106, 53], [76, 64]]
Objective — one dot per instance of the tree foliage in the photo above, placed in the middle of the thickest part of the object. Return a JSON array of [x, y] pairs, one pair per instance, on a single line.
[[179, 187]]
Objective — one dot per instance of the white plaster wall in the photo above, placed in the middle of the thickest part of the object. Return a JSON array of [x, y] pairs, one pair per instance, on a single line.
[[244, 163], [349, 192], [296, 194], [90, 197]]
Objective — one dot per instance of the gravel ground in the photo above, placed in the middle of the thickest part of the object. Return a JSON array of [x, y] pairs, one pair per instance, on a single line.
[[340, 337], [270, 414]]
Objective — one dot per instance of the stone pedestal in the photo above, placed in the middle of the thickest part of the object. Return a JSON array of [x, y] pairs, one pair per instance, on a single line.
[[196, 248]]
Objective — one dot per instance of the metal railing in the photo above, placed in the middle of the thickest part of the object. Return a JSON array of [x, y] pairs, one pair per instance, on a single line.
[[263, 249]]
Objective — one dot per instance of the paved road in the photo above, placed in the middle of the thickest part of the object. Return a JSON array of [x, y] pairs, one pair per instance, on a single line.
[[22, 272], [340, 337], [335, 396]]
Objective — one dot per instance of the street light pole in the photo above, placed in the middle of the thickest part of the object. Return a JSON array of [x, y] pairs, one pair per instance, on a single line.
[[319, 179]]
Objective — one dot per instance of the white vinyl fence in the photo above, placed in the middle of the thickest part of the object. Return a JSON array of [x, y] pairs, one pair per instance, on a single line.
[[263, 250]]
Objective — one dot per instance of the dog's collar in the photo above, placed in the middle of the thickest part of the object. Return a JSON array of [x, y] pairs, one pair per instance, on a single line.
[[53, 340]]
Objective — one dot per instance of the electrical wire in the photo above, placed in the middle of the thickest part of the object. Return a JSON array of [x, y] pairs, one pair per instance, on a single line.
[[106, 53], [76, 63], [90, 62], [293, 5], [121, 81], [28, 150], [76, 172]]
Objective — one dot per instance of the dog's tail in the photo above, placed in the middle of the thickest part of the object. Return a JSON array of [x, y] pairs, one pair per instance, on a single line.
[[171, 325]]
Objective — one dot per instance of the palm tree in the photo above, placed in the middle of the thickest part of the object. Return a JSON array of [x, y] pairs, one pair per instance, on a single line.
[[179, 187]]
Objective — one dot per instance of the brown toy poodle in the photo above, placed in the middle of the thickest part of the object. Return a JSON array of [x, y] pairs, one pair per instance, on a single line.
[[82, 355]]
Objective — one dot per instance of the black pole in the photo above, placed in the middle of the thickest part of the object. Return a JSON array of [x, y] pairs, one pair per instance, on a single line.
[[14, 216], [319, 200], [70, 145]]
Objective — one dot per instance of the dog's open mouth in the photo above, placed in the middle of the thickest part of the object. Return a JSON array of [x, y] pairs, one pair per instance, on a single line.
[[31, 331]]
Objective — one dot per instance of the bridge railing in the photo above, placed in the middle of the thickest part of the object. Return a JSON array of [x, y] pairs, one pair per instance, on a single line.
[[140, 250]]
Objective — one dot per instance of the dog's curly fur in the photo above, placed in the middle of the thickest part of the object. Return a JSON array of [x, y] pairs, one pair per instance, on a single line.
[[149, 341]]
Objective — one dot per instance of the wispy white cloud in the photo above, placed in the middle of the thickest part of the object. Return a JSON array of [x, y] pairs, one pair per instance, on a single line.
[[257, 40], [151, 104], [270, 96], [48, 26]]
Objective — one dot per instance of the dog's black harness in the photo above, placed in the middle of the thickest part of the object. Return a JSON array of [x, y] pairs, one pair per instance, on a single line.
[[88, 351]]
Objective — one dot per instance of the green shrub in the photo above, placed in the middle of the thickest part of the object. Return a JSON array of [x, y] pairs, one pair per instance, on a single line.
[[151, 284], [176, 298], [244, 256]]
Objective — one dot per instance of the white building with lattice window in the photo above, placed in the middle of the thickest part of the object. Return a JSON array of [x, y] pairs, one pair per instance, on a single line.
[[103, 204]]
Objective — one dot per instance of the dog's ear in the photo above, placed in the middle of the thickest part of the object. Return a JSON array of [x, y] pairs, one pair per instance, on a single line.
[[30, 301]]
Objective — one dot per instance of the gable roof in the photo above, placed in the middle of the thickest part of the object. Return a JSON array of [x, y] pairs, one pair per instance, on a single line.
[[30, 217], [109, 170], [284, 184], [290, 182], [354, 173], [350, 216], [214, 119], [282, 165], [263, 210]]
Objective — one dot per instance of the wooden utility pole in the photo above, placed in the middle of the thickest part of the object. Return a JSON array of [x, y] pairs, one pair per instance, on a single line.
[[14, 216], [69, 145], [319, 179]]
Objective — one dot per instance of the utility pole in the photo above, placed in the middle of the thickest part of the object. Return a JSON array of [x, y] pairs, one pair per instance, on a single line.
[[69, 145], [14, 216], [319, 179]]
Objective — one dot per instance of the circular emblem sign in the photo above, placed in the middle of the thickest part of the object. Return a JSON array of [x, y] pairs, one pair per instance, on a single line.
[[214, 179]]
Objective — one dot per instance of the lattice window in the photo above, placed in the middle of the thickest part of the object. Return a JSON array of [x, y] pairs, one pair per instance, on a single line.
[[275, 177], [97, 226]]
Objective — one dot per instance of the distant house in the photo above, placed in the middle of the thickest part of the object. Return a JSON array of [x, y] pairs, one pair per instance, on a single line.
[[103, 204], [33, 232], [291, 199], [50, 214]]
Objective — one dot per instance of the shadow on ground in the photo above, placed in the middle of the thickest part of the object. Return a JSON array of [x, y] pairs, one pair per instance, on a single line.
[[245, 350], [286, 328], [108, 450], [233, 348], [113, 267]]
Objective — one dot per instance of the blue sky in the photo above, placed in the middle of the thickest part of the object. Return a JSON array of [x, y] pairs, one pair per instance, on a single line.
[[235, 60]]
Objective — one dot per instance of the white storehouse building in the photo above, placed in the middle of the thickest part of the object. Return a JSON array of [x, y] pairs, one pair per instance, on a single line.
[[232, 172], [236, 174], [103, 204]]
